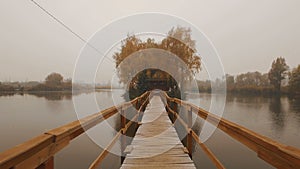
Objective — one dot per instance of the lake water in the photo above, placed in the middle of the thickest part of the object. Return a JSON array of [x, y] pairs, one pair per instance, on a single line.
[[276, 118], [26, 116]]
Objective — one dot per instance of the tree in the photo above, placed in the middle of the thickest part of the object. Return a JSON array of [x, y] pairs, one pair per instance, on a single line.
[[265, 82], [178, 42], [255, 79], [278, 72], [229, 81], [294, 82], [54, 79]]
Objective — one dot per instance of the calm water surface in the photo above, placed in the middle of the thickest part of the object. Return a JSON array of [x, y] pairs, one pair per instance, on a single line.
[[276, 118], [26, 116]]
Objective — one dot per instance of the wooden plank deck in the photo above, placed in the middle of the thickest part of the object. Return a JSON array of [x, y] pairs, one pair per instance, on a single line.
[[156, 143]]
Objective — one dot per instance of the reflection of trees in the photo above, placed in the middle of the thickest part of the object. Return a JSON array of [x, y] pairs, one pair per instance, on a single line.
[[53, 95], [277, 115], [251, 101], [47, 95], [294, 107], [295, 104], [230, 98], [7, 93], [108, 93], [255, 102]]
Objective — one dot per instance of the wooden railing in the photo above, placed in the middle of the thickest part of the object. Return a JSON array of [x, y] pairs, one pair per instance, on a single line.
[[274, 153], [39, 151]]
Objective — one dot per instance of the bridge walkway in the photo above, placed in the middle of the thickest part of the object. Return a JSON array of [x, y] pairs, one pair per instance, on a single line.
[[156, 143]]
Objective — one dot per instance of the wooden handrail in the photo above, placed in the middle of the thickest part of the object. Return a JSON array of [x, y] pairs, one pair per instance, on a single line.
[[208, 152], [105, 152], [39, 151], [36, 151], [274, 153]]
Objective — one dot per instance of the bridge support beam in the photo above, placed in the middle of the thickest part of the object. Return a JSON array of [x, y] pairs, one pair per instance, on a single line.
[[190, 134], [49, 164], [123, 136]]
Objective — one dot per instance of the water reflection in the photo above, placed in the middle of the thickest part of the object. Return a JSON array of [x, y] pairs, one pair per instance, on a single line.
[[295, 104], [295, 109], [52, 96], [277, 113], [252, 102], [277, 118], [7, 94]]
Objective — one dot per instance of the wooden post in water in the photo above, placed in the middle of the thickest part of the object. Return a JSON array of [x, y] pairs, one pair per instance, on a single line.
[[123, 136], [49, 164], [189, 135]]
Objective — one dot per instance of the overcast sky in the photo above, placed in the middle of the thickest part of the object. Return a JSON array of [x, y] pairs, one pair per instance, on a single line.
[[248, 35]]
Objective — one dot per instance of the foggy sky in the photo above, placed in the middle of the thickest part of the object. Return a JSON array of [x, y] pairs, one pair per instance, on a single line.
[[248, 35]]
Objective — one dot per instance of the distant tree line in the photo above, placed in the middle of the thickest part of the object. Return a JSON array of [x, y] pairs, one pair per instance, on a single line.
[[249, 83], [279, 80], [53, 82]]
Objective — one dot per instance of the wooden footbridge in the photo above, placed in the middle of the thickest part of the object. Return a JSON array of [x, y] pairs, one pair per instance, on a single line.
[[156, 143]]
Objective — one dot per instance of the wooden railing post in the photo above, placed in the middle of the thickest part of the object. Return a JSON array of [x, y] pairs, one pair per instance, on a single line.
[[140, 110], [123, 118], [171, 116], [189, 135], [137, 105], [175, 108], [123, 136], [49, 164]]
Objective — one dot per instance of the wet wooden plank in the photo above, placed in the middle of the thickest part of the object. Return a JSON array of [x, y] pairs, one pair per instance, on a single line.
[[156, 143]]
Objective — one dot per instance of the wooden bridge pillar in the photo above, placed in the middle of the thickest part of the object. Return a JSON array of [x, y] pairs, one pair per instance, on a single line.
[[123, 136], [49, 164], [189, 135], [175, 108], [137, 106], [168, 110]]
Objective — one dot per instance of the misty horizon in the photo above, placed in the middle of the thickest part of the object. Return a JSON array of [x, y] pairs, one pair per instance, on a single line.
[[247, 35]]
